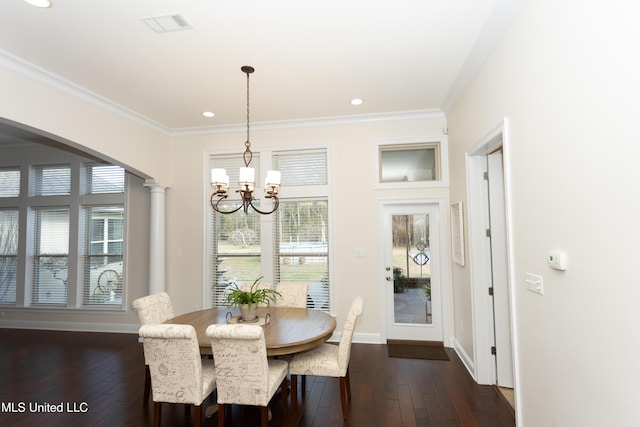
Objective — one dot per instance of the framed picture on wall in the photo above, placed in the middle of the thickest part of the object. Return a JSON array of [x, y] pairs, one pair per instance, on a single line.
[[457, 233]]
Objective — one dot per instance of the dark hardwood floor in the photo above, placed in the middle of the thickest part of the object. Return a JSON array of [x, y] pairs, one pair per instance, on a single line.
[[97, 380]]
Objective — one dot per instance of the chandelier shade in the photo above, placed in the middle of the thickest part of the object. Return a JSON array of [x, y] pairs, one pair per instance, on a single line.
[[247, 178]]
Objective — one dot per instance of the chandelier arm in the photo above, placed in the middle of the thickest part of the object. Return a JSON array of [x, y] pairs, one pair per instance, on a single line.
[[214, 204], [275, 207]]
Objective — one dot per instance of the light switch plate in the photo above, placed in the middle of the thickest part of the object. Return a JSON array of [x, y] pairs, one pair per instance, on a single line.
[[534, 283]]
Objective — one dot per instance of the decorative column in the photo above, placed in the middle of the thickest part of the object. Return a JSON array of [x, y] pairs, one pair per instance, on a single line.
[[157, 239]]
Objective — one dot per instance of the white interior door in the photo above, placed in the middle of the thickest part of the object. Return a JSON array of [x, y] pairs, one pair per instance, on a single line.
[[411, 282], [499, 271]]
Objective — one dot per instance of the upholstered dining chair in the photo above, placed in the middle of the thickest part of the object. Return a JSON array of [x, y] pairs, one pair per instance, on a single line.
[[178, 373], [328, 360], [244, 375], [152, 309], [292, 295]]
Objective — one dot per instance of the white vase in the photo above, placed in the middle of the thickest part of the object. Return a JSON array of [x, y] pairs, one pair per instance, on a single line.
[[247, 314]]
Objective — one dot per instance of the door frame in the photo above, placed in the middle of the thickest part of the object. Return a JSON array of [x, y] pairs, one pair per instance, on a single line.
[[444, 261], [480, 253]]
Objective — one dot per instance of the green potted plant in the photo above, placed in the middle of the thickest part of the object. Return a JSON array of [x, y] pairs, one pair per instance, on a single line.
[[247, 300]]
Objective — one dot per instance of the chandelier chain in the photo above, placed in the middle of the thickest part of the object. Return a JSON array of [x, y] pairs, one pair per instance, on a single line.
[[248, 155]]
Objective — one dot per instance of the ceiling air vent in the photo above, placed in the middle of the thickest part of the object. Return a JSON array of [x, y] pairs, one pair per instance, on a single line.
[[165, 23]]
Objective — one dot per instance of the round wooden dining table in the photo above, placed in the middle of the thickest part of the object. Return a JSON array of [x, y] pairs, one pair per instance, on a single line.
[[289, 330]]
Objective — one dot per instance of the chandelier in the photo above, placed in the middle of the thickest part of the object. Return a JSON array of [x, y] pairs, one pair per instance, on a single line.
[[220, 179]]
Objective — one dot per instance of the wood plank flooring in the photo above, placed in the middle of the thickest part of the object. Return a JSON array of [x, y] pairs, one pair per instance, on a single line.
[[97, 380]]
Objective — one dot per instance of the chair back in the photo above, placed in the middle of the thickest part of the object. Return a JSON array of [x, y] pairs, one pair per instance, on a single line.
[[240, 358], [173, 355], [344, 349], [292, 295], [153, 309]]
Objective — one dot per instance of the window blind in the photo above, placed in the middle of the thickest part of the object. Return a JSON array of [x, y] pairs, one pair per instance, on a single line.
[[102, 264], [52, 180], [104, 179], [51, 256], [8, 255], [236, 254], [304, 167], [9, 182], [302, 248]]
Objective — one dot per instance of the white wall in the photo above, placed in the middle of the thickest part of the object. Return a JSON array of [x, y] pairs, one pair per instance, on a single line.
[[354, 206], [566, 75], [79, 119]]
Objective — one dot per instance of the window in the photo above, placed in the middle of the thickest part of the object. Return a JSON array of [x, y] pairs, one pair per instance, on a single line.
[[73, 251], [51, 256], [9, 182], [290, 245], [302, 247], [412, 164], [104, 255], [409, 163], [237, 257], [104, 179], [52, 180], [8, 255]]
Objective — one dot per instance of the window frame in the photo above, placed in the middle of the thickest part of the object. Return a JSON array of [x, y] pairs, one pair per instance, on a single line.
[[28, 202], [267, 227], [442, 161]]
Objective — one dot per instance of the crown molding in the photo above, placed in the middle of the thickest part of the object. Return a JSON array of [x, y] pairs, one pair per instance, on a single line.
[[314, 122], [53, 80]]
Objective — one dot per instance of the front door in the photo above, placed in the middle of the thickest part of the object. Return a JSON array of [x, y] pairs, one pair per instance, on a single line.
[[412, 272]]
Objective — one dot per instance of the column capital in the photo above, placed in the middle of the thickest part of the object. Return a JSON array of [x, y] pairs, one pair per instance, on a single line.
[[154, 187]]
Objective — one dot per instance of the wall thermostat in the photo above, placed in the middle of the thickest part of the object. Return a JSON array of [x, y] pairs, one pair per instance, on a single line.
[[557, 260]]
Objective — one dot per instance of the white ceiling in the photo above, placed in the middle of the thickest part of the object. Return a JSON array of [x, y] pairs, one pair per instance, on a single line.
[[311, 58]]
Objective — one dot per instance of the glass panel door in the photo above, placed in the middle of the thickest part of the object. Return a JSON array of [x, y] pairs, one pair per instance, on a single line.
[[411, 269], [412, 272]]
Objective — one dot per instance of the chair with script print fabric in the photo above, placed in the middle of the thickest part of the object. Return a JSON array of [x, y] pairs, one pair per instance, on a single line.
[[244, 375], [178, 373], [328, 360], [152, 310], [292, 295]]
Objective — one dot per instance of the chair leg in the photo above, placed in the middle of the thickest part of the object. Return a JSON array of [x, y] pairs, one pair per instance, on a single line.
[[147, 386], [343, 400], [294, 391], [304, 386], [157, 412], [221, 412], [264, 416], [197, 416], [348, 384], [284, 396]]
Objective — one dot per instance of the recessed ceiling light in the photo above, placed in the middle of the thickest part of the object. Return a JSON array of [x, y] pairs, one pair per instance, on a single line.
[[356, 101], [39, 3], [208, 114]]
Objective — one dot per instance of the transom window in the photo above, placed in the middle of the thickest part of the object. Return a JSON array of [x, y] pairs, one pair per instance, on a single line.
[[412, 163]]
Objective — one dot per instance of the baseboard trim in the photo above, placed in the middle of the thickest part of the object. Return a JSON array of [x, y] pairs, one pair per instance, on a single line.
[[464, 357], [71, 326]]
